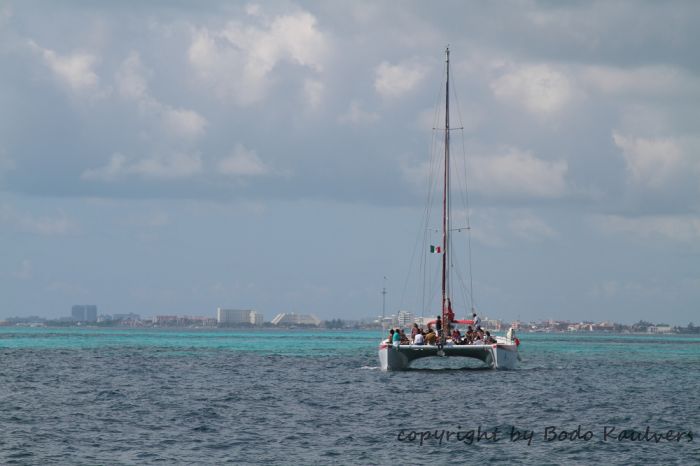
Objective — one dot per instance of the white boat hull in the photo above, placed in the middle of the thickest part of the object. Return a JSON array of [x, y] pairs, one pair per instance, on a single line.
[[498, 356]]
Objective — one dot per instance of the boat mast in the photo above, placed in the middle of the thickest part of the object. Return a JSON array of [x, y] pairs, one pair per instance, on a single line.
[[446, 205]]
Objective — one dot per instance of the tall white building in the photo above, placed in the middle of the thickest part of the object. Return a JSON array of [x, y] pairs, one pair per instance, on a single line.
[[256, 318], [405, 318], [239, 316]]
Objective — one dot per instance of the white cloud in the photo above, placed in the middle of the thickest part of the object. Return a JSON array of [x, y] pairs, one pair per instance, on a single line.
[[651, 162], [45, 226], [396, 80], [513, 174], [132, 83], [115, 168], [313, 89], [175, 165], [518, 173], [531, 227], [646, 80], [356, 115], [75, 70], [182, 123], [239, 59], [681, 228], [171, 166], [539, 88], [242, 162], [132, 78]]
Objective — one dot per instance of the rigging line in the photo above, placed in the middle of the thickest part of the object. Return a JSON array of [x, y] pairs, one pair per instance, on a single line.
[[434, 162], [466, 197], [419, 237], [426, 217], [469, 225], [463, 288]]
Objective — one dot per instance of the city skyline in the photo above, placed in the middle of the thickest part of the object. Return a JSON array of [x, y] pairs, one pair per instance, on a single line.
[[272, 156]]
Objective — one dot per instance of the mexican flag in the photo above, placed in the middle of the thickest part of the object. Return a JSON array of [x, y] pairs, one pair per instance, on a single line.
[[435, 249]]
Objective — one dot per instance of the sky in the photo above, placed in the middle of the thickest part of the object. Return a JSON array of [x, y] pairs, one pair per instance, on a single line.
[[175, 157]]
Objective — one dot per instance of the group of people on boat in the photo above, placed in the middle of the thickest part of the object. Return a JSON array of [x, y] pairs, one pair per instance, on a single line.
[[433, 336]]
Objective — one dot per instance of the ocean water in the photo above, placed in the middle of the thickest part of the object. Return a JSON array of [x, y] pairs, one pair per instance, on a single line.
[[89, 396]]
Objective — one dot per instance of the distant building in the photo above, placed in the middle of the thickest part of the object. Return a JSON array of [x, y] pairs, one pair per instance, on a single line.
[[257, 318], [492, 324], [291, 318], [405, 318], [388, 321], [659, 329], [164, 320], [129, 316], [199, 321], [423, 321], [84, 313], [239, 316]]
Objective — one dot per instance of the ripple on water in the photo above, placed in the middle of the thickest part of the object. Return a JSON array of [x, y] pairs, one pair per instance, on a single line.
[[177, 398]]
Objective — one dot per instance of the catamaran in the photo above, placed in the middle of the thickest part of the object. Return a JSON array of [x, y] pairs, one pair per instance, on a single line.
[[501, 354]]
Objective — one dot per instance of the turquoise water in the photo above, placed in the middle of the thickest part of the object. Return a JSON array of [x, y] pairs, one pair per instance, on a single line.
[[142, 396], [300, 343], [304, 343]]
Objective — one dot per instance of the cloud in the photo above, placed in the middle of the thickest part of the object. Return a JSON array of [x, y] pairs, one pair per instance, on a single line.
[[512, 174], [75, 70], [531, 227], [679, 228], [242, 162], [132, 78], [538, 88], [518, 173], [171, 166], [239, 59], [44, 226], [396, 80], [643, 80], [182, 123], [176, 123], [313, 90], [652, 162], [356, 115]]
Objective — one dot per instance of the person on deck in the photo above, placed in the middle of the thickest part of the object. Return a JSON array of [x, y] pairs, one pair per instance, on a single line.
[[438, 326], [489, 339], [391, 336], [431, 338], [477, 320], [418, 339], [456, 336], [414, 331], [468, 336], [396, 339]]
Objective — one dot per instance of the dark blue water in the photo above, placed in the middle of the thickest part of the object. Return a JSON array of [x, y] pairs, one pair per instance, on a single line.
[[123, 397]]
